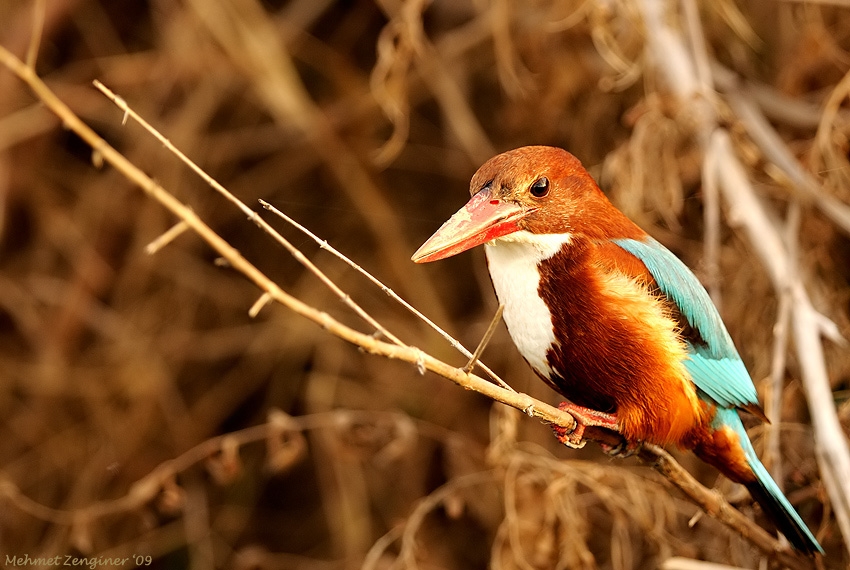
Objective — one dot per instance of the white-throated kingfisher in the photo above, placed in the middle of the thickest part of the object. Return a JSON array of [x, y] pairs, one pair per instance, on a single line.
[[611, 319]]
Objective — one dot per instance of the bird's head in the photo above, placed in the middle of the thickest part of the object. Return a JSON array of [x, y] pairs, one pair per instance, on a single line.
[[537, 189]]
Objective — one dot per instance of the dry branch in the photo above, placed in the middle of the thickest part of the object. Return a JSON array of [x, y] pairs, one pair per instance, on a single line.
[[369, 343], [392, 294], [250, 39]]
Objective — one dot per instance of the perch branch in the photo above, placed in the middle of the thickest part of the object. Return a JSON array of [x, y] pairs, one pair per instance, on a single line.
[[252, 215], [392, 294], [716, 506], [234, 259]]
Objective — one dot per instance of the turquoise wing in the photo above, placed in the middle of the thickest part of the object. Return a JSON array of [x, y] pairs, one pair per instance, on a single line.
[[714, 363]]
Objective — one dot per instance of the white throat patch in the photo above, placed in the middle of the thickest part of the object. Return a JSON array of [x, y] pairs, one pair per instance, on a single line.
[[512, 261]]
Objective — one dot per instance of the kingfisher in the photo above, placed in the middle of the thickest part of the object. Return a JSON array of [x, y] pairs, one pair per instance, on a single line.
[[611, 319]]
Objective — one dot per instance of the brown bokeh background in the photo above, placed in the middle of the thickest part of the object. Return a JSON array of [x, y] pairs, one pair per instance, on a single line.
[[363, 120]]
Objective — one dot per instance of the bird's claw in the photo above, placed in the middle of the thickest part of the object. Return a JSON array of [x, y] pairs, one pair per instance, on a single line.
[[584, 417], [573, 438], [622, 450]]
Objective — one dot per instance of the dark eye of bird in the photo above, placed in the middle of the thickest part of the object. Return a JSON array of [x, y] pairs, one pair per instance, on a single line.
[[540, 187]]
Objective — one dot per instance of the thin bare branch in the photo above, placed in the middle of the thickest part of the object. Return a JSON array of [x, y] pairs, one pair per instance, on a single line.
[[166, 238], [714, 504], [252, 215], [259, 304], [488, 334], [392, 294], [38, 9]]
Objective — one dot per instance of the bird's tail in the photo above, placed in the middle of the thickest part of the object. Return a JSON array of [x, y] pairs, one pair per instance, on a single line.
[[767, 493]]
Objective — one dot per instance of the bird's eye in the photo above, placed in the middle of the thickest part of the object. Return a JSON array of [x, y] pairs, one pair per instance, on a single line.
[[540, 187]]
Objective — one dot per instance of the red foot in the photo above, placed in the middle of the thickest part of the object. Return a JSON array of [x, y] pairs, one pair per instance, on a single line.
[[585, 417]]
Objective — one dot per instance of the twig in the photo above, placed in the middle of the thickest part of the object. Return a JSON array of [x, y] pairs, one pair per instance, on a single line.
[[235, 260], [392, 294], [380, 546], [259, 304], [38, 9], [252, 215], [488, 334], [166, 238]]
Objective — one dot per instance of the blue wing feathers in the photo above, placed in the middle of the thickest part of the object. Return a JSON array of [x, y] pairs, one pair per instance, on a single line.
[[725, 380], [716, 367]]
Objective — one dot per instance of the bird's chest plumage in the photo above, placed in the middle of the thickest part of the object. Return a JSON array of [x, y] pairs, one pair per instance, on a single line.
[[547, 308], [513, 265], [596, 335]]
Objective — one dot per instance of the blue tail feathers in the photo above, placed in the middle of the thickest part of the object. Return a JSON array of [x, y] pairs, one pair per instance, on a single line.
[[767, 493]]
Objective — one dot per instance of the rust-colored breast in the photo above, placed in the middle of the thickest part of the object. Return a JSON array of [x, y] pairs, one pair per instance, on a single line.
[[617, 346]]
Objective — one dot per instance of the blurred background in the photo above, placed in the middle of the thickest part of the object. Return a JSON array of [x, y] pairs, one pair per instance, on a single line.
[[364, 120]]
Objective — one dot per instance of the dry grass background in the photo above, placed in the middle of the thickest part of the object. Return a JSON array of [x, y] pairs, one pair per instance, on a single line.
[[363, 120]]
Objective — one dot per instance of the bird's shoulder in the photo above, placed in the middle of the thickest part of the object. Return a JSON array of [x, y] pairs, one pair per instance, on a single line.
[[713, 361]]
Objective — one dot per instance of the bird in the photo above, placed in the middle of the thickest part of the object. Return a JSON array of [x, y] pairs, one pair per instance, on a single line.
[[611, 319]]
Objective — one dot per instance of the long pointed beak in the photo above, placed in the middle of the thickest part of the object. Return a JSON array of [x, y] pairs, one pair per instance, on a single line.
[[482, 219]]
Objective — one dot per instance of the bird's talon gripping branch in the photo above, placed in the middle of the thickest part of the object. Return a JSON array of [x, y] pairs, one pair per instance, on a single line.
[[571, 438], [584, 417]]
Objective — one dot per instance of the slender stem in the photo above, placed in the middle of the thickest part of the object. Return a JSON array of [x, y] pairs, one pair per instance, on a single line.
[[488, 334]]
